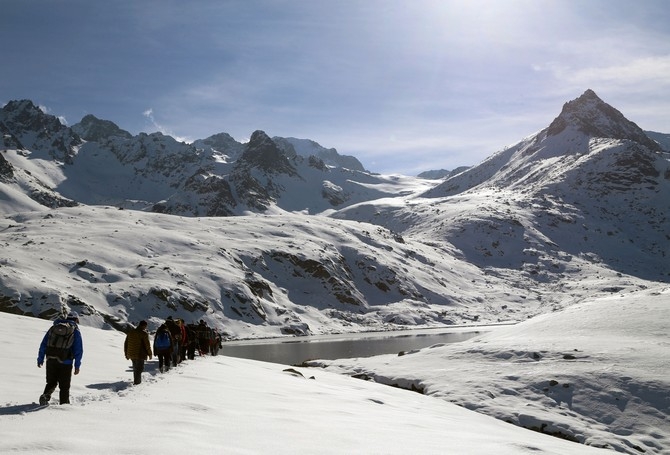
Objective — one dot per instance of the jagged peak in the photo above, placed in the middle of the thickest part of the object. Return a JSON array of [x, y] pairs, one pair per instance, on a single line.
[[20, 105], [594, 117], [259, 137], [262, 152], [91, 128]]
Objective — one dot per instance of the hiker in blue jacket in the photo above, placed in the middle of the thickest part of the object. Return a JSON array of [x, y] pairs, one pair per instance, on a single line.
[[62, 347], [163, 347]]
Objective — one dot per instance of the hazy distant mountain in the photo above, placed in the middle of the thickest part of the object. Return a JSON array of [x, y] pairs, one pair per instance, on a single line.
[[662, 139], [577, 210], [307, 148], [442, 173]]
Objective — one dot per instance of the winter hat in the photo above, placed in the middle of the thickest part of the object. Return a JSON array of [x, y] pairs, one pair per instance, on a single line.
[[73, 315]]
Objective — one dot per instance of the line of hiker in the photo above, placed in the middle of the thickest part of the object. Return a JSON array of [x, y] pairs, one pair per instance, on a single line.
[[62, 349], [174, 342]]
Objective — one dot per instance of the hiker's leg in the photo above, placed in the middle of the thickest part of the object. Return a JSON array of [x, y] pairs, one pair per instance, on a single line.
[[138, 367], [52, 380], [64, 380], [52, 377]]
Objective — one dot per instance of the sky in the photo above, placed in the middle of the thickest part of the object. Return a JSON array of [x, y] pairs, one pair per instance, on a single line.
[[403, 86]]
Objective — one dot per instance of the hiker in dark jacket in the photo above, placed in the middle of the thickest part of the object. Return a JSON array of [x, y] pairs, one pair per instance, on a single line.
[[137, 349], [204, 337], [163, 346], [192, 331], [175, 332], [60, 360], [183, 346]]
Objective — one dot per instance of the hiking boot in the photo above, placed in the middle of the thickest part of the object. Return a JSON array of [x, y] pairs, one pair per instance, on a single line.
[[44, 400]]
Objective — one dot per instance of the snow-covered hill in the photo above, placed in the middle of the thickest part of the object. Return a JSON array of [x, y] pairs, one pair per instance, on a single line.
[[224, 405], [597, 372], [251, 276]]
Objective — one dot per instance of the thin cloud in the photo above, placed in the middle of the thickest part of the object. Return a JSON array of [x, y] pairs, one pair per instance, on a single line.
[[637, 72], [149, 114]]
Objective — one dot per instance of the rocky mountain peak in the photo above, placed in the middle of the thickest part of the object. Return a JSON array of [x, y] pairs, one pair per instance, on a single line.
[[92, 128], [38, 131], [20, 106], [222, 142], [593, 117], [24, 115], [262, 152]]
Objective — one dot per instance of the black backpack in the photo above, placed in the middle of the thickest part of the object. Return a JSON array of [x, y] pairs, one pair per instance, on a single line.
[[59, 342]]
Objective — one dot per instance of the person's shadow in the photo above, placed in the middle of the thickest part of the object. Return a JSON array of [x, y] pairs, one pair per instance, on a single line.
[[19, 409], [111, 386]]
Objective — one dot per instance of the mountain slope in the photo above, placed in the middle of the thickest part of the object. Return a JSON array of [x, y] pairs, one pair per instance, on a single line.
[[562, 193]]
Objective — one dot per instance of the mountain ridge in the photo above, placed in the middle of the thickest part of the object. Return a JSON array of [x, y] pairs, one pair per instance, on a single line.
[[265, 242]]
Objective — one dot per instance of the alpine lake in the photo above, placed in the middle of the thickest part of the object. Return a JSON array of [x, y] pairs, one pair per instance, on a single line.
[[296, 350]]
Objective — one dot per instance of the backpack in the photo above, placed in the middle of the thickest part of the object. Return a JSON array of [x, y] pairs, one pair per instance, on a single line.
[[174, 329], [162, 340], [60, 341]]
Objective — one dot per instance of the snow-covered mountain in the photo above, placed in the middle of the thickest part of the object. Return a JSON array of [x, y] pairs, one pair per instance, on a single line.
[[592, 185], [574, 211], [96, 162]]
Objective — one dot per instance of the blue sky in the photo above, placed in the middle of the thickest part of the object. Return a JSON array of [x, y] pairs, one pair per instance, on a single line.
[[404, 86]]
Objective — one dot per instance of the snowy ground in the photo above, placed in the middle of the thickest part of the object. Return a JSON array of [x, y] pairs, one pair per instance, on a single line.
[[597, 372], [234, 406]]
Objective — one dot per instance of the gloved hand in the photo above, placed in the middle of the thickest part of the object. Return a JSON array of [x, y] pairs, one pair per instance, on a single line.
[[39, 365], [76, 371]]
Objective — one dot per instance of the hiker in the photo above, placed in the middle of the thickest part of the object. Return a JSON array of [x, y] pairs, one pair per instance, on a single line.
[[216, 342], [183, 346], [192, 331], [62, 346], [163, 346], [137, 348], [175, 332], [204, 335]]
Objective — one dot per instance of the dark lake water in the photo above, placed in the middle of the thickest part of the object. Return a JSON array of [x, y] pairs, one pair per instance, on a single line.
[[294, 351]]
